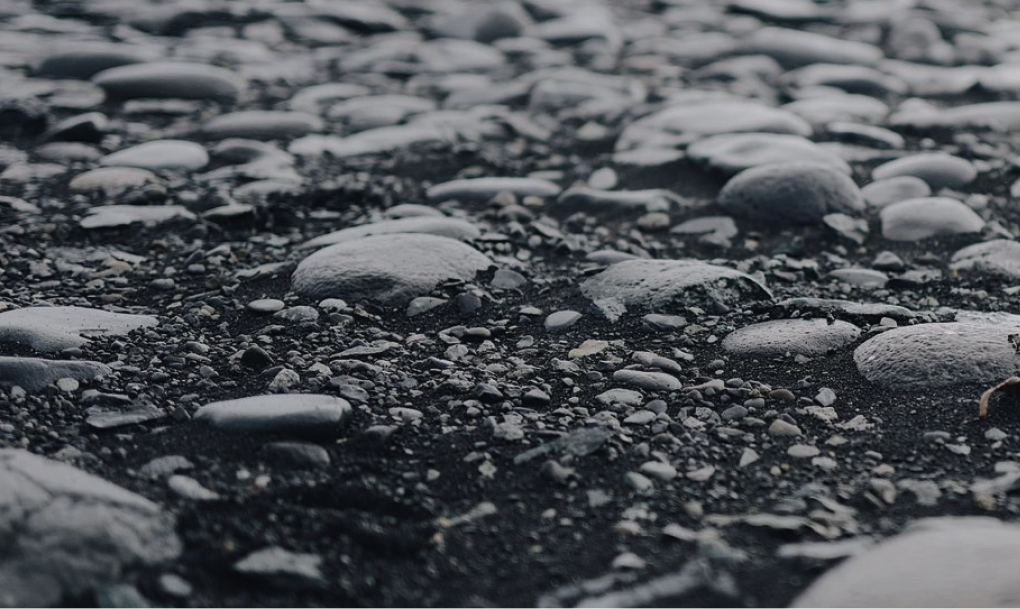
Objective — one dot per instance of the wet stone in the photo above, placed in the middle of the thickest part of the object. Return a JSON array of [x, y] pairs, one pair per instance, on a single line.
[[649, 381], [114, 216], [561, 320], [795, 48], [809, 337], [917, 219], [790, 193]]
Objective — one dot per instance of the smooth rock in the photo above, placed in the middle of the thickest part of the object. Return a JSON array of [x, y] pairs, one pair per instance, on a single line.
[[938, 169], [112, 216], [732, 153], [33, 373], [939, 354], [893, 190], [68, 533], [158, 155], [388, 269], [58, 328], [561, 320], [917, 219], [170, 80], [262, 125], [649, 381], [295, 413], [796, 48], [482, 190], [809, 337], [790, 193], [999, 257], [112, 180], [442, 226], [383, 140]]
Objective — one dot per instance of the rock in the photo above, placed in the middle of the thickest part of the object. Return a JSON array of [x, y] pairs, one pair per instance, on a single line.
[[506, 279], [482, 190], [383, 140], [170, 80], [442, 226], [947, 562], [626, 397], [296, 413], [777, 10], [280, 567], [112, 181], [666, 284], [159, 155], [388, 269], [561, 320], [262, 125], [850, 78], [917, 219], [938, 169], [939, 354], [796, 48], [297, 454], [649, 381], [893, 190], [189, 488], [824, 110], [803, 451], [113, 216], [88, 127], [790, 193], [591, 200], [69, 533], [717, 230], [486, 23], [732, 153], [32, 373], [867, 278], [999, 257], [781, 429], [809, 337], [998, 116], [58, 328], [85, 61]]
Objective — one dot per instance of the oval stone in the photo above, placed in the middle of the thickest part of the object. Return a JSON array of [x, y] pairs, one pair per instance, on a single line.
[[916, 219], [938, 169], [170, 80], [893, 190], [790, 193], [732, 153], [442, 226], [262, 125], [159, 154], [999, 257], [297, 413], [808, 337]]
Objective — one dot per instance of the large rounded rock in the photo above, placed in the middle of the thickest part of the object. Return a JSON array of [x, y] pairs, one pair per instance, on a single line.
[[442, 226], [732, 153], [1000, 257], [938, 169], [669, 284], [939, 562], [798, 336], [67, 533], [297, 413], [941, 354], [387, 269], [170, 80], [58, 328], [916, 219], [790, 193]]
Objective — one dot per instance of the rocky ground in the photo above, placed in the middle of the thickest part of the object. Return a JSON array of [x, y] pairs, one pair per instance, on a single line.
[[528, 302]]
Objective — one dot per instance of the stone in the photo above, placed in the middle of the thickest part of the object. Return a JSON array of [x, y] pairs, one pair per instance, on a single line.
[[297, 454], [823, 110], [796, 48], [669, 284], [938, 169], [114, 216], [936, 562], [159, 155], [262, 125], [649, 381], [917, 219], [294, 413], [790, 193], [87, 60], [808, 337], [626, 397], [486, 23], [68, 533], [281, 567], [442, 226], [388, 269], [482, 190], [938, 355], [57, 328], [383, 140], [732, 153], [112, 181], [866, 278], [857, 79], [893, 190], [561, 320], [33, 373], [999, 258], [170, 80], [591, 200]]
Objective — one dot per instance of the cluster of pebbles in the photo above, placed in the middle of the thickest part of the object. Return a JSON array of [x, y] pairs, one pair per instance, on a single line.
[[525, 302]]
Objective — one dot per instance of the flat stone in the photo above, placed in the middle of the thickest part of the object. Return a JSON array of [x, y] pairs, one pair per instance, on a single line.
[[893, 190], [482, 190], [826, 109], [294, 413], [279, 566], [593, 200], [649, 381], [561, 320], [87, 60], [997, 116], [938, 169], [384, 140], [999, 257], [790, 193], [627, 397], [112, 180], [262, 125], [868, 278], [796, 48], [68, 533], [850, 78], [33, 373], [170, 80], [669, 284], [484, 23], [937, 562], [442, 226], [809, 337], [732, 153], [917, 219], [113, 216], [939, 354], [158, 155], [58, 328], [389, 269]]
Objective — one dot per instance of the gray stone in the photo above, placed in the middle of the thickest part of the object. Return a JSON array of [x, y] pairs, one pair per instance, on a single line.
[[561, 320], [295, 413], [67, 533], [627, 397], [649, 381], [871, 310], [58, 328], [999, 257], [384, 140], [937, 562], [389, 269], [823, 110], [796, 48], [262, 125], [112, 180], [170, 80], [790, 193], [893, 190], [937, 169], [113, 216], [939, 354], [917, 219], [668, 284], [442, 226], [592, 200], [32, 373], [732, 153], [484, 23], [998, 116], [159, 154], [861, 277], [283, 567], [482, 190], [850, 78], [810, 337]]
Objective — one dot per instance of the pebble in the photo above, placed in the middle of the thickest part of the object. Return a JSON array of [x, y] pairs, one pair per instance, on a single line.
[[266, 306], [659, 470], [780, 428], [482, 190], [641, 417], [626, 397], [189, 488], [803, 451], [998, 258], [115, 216], [388, 269], [57, 328], [61, 557], [893, 190], [826, 397], [112, 181], [560, 321], [790, 193], [33, 374], [282, 567], [159, 155], [301, 414], [796, 48], [809, 337], [638, 482], [170, 80], [917, 219], [262, 125], [938, 169], [649, 381], [732, 153], [443, 227]]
